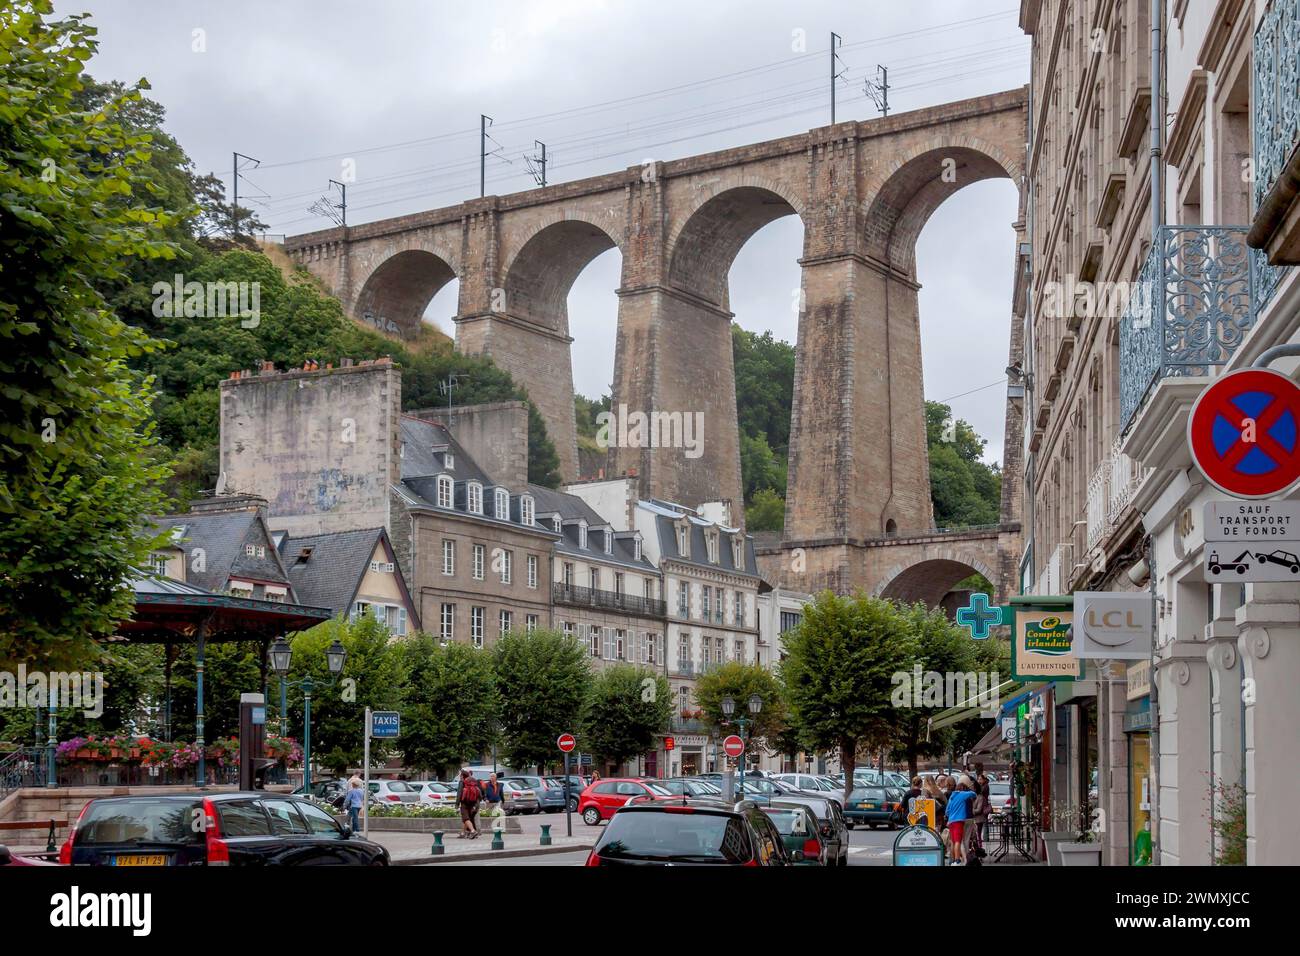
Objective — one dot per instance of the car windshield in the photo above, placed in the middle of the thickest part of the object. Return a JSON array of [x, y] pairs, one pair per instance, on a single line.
[[668, 835], [138, 822], [438, 787], [788, 821], [869, 794], [759, 785], [999, 788], [398, 786], [530, 781], [660, 791]]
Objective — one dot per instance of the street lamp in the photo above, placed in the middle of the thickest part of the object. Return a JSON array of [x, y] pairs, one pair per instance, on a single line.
[[281, 655], [755, 705]]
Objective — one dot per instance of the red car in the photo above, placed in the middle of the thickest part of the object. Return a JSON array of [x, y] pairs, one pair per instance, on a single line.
[[9, 858], [601, 799]]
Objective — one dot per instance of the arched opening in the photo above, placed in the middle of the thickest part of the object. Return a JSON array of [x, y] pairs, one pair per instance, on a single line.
[[396, 294], [442, 309], [541, 280], [932, 582]]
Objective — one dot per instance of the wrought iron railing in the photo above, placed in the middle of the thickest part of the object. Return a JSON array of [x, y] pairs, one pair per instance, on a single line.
[[1275, 103], [608, 600], [24, 767], [1198, 295]]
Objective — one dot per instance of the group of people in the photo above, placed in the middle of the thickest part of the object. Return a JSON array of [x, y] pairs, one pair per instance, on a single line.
[[961, 806], [470, 796]]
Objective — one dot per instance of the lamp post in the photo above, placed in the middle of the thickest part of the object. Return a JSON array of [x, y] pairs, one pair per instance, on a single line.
[[281, 658], [755, 705]]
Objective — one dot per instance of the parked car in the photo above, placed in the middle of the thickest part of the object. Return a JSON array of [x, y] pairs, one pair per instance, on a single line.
[[872, 806], [394, 791], [10, 858], [602, 799], [577, 784], [433, 793], [517, 797], [800, 832], [699, 832], [1285, 558], [327, 790], [689, 786], [550, 796], [832, 824], [254, 828], [817, 786], [999, 796]]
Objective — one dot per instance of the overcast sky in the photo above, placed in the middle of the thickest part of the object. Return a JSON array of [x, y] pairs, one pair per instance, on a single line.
[[396, 88]]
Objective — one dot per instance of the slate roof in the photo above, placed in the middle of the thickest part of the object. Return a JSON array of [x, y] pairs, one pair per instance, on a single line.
[[222, 536], [569, 507], [331, 575], [666, 516]]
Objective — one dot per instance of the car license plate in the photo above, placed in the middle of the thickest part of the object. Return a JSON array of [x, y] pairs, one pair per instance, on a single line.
[[154, 859], [867, 806]]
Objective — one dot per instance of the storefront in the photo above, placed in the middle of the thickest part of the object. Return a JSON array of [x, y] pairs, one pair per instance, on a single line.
[[1137, 732]]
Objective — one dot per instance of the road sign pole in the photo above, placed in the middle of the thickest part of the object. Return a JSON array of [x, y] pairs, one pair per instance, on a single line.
[[568, 805], [365, 770]]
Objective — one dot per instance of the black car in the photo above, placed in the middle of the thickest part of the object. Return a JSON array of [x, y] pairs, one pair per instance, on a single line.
[[692, 832], [226, 829]]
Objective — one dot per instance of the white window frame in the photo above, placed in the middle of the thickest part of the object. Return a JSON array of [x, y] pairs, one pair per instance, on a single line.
[[526, 510], [476, 618], [507, 566], [740, 609], [683, 599], [558, 524], [446, 491], [447, 622], [474, 498], [530, 623], [449, 557], [582, 535], [479, 557], [594, 635], [501, 505], [449, 461], [505, 622], [532, 571], [609, 541]]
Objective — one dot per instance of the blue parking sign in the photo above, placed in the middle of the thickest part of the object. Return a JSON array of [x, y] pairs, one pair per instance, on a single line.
[[385, 723]]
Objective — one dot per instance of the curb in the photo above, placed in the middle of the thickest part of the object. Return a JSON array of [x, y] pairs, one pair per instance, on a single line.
[[491, 854]]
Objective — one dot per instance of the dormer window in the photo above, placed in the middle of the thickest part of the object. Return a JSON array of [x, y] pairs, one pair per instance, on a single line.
[[502, 504], [444, 491], [582, 534], [449, 461], [712, 542], [683, 541], [609, 541], [738, 553], [526, 509], [558, 524], [636, 548], [475, 498]]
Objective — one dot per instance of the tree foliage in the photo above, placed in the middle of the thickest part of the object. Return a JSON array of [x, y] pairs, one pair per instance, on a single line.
[[838, 672], [543, 679], [75, 443], [740, 681], [964, 489], [449, 704], [626, 707]]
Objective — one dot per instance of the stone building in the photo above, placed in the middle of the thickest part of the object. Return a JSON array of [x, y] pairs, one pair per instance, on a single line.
[[1131, 309]]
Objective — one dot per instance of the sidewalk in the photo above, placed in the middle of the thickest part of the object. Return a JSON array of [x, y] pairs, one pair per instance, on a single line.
[[415, 849]]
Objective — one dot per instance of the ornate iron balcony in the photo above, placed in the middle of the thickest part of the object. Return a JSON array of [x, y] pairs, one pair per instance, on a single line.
[[1198, 295], [1275, 103], [575, 596]]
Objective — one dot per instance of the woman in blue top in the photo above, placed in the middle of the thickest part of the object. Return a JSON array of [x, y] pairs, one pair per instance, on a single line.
[[355, 796], [959, 811]]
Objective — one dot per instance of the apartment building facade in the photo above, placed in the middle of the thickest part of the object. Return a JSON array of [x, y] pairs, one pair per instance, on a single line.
[[1131, 309]]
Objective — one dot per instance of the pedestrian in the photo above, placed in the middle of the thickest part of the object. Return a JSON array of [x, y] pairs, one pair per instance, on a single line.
[[959, 811], [356, 796], [494, 795], [468, 795], [932, 791], [979, 812], [912, 794]]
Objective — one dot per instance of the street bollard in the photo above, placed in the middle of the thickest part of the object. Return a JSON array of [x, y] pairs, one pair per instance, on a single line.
[[438, 849], [546, 834], [498, 831]]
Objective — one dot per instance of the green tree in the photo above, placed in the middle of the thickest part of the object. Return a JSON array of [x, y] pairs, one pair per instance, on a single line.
[[766, 512], [626, 707], [764, 372], [760, 468], [740, 681], [449, 706], [373, 676], [229, 669], [838, 672], [964, 490], [75, 461], [543, 679]]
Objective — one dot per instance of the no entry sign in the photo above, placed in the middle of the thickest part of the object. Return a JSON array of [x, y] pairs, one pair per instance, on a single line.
[[1243, 433], [565, 742], [733, 746]]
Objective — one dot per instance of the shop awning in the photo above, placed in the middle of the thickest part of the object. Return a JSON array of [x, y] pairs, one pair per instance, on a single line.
[[964, 710], [990, 743], [1027, 693]]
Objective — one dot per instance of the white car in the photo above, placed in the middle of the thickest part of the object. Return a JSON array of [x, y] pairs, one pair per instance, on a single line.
[[999, 796], [434, 794], [394, 791]]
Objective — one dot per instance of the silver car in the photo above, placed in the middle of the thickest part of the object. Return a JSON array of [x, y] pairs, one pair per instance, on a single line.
[[394, 791], [814, 785], [519, 798]]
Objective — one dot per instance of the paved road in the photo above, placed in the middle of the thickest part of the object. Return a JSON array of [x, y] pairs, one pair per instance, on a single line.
[[866, 848]]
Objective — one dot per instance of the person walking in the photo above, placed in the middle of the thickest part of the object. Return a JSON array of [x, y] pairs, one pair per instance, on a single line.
[[494, 794], [356, 797], [912, 794], [979, 813], [468, 795]]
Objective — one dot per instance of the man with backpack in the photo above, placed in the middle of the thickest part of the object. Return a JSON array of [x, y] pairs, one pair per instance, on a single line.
[[468, 795]]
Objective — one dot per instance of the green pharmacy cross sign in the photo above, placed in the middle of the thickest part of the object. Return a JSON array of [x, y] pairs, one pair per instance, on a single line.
[[977, 616]]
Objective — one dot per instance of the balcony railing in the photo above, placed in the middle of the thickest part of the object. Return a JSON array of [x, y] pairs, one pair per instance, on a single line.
[[1109, 491], [1275, 102], [575, 596], [1199, 293], [1050, 580]]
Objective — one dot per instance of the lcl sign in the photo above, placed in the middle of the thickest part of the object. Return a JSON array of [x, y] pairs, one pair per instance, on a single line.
[[1112, 625]]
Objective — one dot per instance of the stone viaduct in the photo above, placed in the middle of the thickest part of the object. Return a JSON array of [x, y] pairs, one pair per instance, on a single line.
[[859, 472]]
